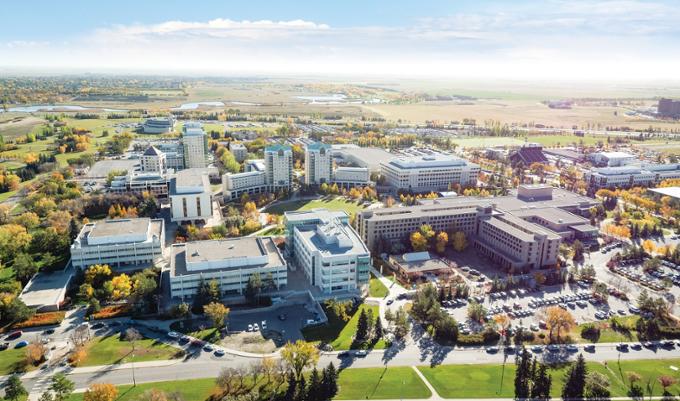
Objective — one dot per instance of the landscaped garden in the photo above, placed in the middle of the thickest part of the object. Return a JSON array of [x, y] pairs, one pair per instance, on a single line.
[[339, 333], [327, 202]]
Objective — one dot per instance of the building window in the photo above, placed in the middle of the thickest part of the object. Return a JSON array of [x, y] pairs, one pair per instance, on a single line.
[[198, 206], [184, 207]]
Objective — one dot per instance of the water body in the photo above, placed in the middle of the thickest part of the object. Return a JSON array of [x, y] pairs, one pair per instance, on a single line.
[[196, 105], [52, 107]]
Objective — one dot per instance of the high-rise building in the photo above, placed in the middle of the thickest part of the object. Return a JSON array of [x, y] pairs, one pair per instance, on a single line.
[[195, 143], [153, 161], [278, 160], [318, 163], [669, 108]]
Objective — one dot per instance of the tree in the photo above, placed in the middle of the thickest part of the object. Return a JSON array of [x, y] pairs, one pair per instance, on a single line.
[[541, 386], [378, 329], [329, 385], [24, 267], [666, 381], [35, 352], [77, 355], [575, 380], [578, 248], [558, 319], [597, 386], [362, 327], [61, 387], [401, 326], [181, 310], [298, 356], [522, 375], [96, 275], [253, 288], [122, 286], [441, 241], [314, 387], [15, 310], [13, 239], [459, 241], [418, 242], [476, 311], [14, 389], [101, 392], [217, 312]]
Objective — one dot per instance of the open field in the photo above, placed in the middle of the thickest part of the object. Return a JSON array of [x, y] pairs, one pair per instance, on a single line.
[[189, 390], [12, 360], [339, 334], [19, 125], [112, 350], [512, 111], [329, 202], [376, 288]]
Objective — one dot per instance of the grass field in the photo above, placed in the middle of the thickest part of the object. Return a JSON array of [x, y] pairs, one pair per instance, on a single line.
[[339, 334], [353, 384], [112, 350], [272, 231], [376, 288], [329, 202], [626, 333], [484, 381], [380, 383], [12, 360]]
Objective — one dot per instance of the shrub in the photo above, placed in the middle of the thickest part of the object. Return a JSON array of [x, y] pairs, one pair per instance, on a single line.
[[112, 311], [669, 332], [470, 339], [42, 319], [590, 332]]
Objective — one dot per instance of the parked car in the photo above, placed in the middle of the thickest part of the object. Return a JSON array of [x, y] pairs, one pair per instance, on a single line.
[[361, 353], [14, 335], [173, 335], [219, 352], [21, 344]]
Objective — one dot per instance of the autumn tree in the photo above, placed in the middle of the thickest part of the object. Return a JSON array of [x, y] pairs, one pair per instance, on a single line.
[[96, 275], [298, 356], [459, 241], [441, 241], [101, 392], [666, 381], [418, 242], [217, 313], [558, 320], [35, 352], [122, 286]]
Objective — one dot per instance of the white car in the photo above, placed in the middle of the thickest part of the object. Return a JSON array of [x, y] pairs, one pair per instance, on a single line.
[[256, 327], [250, 327], [361, 352], [173, 335], [264, 325]]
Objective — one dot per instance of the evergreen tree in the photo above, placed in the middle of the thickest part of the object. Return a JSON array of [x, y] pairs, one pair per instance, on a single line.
[[575, 381], [541, 386], [314, 387], [378, 329], [301, 390], [14, 389], [522, 375], [362, 326], [329, 382], [289, 395]]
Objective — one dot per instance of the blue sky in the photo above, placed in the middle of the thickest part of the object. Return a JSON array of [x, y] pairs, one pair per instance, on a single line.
[[570, 39]]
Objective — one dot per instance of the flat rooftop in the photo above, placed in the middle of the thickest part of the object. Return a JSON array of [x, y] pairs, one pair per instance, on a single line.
[[108, 228], [223, 250], [356, 246], [553, 215], [190, 181], [120, 231], [422, 266], [314, 214], [428, 161], [46, 289], [673, 192]]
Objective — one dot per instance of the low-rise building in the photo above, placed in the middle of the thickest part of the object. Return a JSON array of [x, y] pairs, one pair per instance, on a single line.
[[119, 243], [351, 176], [611, 159], [330, 253], [231, 262], [235, 185], [153, 161], [417, 265], [370, 158], [158, 125], [644, 175], [140, 183], [191, 196], [432, 172]]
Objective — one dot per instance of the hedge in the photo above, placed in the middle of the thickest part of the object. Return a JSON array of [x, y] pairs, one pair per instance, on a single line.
[[112, 311], [42, 319]]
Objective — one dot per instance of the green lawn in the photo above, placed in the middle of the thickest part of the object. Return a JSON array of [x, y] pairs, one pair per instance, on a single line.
[[12, 360], [376, 288], [626, 333], [112, 350], [273, 231], [453, 381], [328, 202], [380, 383], [365, 383], [190, 390], [339, 334]]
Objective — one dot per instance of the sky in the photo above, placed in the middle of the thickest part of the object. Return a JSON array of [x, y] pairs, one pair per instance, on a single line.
[[518, 39]]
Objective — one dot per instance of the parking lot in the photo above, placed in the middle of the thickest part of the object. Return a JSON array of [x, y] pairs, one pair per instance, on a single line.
[[286, 320]]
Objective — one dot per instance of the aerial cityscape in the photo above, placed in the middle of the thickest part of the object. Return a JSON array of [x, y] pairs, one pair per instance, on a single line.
[[314, 201]]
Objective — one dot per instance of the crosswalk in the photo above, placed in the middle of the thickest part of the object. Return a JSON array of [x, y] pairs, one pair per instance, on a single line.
[[41, 385]]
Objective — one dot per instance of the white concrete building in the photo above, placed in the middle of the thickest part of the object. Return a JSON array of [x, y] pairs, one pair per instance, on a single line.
[[159, 125], [351, 176], [278, 160], [611, 159], [119, 243], [432, 172], [191, 196], [139, 183], [644, 175], [195, 143], [229, 261], [235, 185], [318, 163], [239, 151], [153, 161], [330, 253]]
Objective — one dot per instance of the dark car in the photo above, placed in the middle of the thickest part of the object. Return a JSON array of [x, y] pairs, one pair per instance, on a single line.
[[48, 332], [4, 346], [344, 354], [14, 335]]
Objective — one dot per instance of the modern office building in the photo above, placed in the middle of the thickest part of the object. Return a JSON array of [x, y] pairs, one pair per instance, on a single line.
[[278, 160], [229, 261], [351, 176], [119, 243], [521, 231], [260, 176], [330, 253], [190, 196], [611, 159], [318, 164], [433, 172], [643, 175], [153, 161], [669, 108], [239, 151], [370, 158], [158, 125], [195, 144], [136, 183]]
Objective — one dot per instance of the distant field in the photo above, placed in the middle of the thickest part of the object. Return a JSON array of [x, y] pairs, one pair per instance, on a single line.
[[19, 125]]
